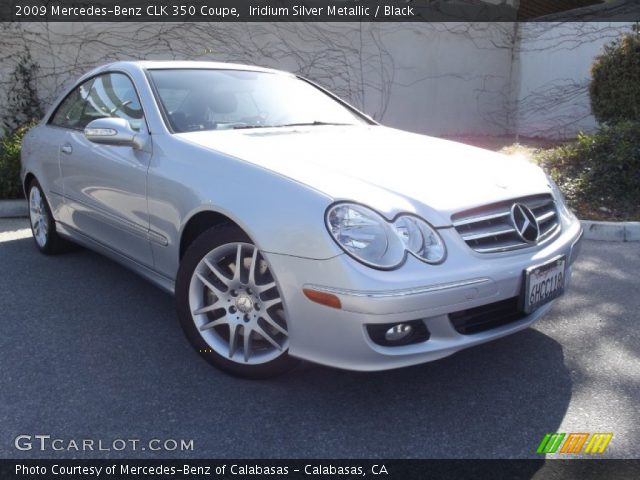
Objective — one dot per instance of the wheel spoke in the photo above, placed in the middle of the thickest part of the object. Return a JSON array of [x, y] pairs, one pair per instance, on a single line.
[[233, 337], [215, 323], [265, 287], [267, 337], [270, 303], [275, 325], [237, 274], [210, 285], [253, 266], [247, 344], [218, 274], [205, 309]]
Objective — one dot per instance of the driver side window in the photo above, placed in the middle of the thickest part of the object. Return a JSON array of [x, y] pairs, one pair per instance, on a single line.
[[108, 95], [70, 112], [113, 95]]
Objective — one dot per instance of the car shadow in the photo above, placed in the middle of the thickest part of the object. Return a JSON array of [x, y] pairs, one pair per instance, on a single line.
[[489, 401], [83, 334]]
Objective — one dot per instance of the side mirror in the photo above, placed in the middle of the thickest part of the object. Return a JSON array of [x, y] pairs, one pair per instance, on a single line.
[[112, 131]]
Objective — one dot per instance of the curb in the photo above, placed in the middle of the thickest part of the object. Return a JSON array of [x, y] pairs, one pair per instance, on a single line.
[[603, 231], [13, 208], [611, 231]]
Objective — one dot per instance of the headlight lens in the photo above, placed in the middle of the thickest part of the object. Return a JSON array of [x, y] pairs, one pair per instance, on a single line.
[[365, 234], [420, 238], [371, 239]]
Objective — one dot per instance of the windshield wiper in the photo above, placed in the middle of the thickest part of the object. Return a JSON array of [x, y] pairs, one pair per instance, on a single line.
[[311, 124], [242, 127], [283, 125]]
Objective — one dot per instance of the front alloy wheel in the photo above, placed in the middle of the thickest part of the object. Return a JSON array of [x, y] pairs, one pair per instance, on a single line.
[[230, 306]]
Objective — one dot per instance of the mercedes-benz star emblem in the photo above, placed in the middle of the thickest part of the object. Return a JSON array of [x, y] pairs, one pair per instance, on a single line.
[[525, 223], [244, 304]]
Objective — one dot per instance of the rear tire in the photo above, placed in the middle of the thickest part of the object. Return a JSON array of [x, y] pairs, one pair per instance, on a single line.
[[43, 225], [234, 318]]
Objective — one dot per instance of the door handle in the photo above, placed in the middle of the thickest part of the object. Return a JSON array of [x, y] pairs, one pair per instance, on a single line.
[[66, 148]]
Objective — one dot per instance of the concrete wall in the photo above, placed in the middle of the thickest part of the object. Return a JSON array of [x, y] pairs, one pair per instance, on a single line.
[[553, 63], [437, 78]]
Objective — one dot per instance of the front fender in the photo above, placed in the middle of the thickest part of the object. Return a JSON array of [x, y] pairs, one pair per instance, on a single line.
[[280, 215]]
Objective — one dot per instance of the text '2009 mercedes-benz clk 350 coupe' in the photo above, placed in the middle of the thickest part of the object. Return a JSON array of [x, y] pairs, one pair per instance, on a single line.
[[291, 226]]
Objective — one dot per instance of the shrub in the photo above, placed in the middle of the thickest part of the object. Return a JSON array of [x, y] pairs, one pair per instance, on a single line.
[[615, 84], [22, 110], [599, 172], [10, 185]]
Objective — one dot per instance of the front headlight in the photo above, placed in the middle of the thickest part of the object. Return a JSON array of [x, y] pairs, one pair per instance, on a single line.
[[371, 239], [365, 235], [420, 238]]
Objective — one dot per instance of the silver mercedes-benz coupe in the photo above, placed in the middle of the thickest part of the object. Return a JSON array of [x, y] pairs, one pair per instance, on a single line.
[[288, 224]]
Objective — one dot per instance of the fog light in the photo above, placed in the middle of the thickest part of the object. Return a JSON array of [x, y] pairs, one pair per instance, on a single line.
[[398, 332]]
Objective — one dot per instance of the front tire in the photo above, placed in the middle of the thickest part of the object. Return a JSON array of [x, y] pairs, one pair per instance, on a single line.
[[230, 307], [43, 225]]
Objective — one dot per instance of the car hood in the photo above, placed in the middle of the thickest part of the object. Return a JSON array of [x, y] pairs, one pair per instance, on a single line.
[[390, 170]]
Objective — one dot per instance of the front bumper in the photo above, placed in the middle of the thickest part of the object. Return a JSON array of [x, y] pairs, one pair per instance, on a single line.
[[416, 291]]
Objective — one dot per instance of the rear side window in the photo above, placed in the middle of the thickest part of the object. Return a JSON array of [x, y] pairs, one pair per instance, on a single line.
[[108, 95]]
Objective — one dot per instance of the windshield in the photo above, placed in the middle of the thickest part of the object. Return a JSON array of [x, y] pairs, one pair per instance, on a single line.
[[201, 99]]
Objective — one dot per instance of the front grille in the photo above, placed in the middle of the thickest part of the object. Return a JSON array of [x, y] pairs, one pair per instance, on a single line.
[[488, 229], [486, 317]]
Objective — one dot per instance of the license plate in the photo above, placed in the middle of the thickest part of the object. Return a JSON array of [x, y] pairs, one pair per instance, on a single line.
[[543, 283]]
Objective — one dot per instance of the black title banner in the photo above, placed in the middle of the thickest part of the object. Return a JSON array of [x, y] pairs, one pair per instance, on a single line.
[[315, 10], [318, 469]]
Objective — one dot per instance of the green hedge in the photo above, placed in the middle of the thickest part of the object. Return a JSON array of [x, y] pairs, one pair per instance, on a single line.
[[599, 171], [10, 186], [615, 84]]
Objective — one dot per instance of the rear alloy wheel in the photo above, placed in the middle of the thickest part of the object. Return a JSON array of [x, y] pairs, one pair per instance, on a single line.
[[230, 306], [43, 226]]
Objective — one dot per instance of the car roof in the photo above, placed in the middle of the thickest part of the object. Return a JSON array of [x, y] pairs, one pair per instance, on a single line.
[[181, 64]]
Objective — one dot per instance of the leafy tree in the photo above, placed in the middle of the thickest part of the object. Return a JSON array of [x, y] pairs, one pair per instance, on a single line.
[[23, 105]]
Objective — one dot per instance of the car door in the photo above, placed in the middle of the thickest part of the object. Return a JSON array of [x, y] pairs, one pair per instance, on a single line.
[[105, 186]]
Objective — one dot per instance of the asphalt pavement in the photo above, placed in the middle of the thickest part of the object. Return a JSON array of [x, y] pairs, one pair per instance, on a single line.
[[89, 350]]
